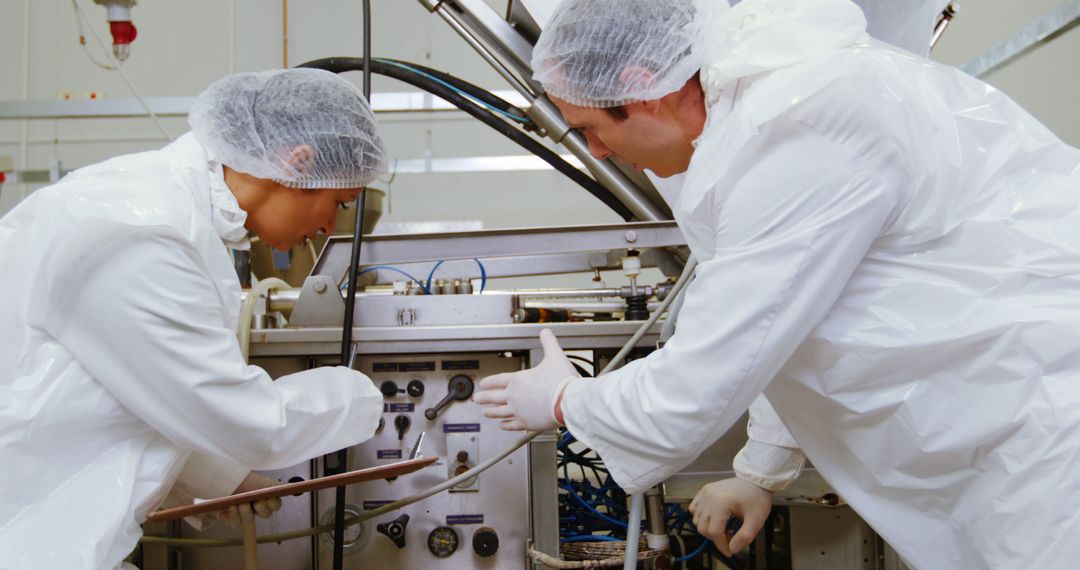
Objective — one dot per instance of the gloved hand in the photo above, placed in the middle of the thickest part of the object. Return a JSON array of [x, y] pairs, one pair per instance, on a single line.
[[263, 508], [526, 400], [716, 502]]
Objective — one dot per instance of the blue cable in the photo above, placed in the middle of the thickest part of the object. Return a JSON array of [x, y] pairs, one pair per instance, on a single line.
[[697, 551], [430, 275], [490, 107], [483, 275], [590, 538], [388, 268], [593, 510]]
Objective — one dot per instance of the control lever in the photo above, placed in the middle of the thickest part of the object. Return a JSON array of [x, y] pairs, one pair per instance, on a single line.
[[401, 424], [461, 388], [395, 530]]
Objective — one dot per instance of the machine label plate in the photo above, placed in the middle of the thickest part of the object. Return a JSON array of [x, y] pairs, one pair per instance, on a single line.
[[403, 367], [464, 519], [372, 505], [460, 428], [399, 407], [461, 365], [388, 454]]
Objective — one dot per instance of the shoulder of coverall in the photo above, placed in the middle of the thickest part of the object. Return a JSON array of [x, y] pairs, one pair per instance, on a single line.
[[846, 96], [94, 209]]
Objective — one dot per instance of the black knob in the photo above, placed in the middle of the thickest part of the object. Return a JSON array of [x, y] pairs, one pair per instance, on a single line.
[[395, 530], [485, 541], [389, 388], [460, 388], [415, 388], [382, 424], [401, 424], [297, 480]]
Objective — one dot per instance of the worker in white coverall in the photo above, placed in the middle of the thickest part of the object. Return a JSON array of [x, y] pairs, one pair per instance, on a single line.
[[889, 251], [122, 377]]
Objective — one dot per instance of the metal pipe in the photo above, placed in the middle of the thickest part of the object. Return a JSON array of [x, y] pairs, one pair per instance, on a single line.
[[584, 307], [947, 15]]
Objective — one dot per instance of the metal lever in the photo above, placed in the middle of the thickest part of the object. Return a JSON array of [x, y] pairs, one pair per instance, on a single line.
[[461, 388]]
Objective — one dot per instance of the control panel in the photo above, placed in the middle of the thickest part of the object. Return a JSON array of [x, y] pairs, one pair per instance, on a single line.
[[483, 522]]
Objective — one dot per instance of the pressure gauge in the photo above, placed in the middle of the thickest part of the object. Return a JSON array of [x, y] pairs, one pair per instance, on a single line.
[[443, 541]]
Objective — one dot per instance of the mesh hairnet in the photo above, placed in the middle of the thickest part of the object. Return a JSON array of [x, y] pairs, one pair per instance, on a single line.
[[255, 122], [604, 53]]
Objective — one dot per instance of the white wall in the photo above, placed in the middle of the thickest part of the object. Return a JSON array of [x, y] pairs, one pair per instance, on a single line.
[[185, 45]]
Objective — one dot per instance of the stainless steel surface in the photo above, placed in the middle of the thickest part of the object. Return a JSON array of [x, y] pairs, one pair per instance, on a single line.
[[323, 341], [319, 304], [829, 539], [1041, 30], [543, 490], [433, 310], [495, 244]]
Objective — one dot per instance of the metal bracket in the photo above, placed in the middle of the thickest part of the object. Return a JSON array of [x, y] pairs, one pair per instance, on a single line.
[[319, 304]]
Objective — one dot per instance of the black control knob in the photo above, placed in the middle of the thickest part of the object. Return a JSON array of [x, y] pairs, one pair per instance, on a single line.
[[389, 388], [395, 530], [485, 541], [460, 388], [382, 424], [401, 424], [415, 388]]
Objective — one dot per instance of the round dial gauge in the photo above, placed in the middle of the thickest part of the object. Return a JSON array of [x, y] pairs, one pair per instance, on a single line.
[[442, 541]]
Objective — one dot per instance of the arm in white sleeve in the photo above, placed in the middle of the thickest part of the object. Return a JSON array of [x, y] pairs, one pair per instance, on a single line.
[[145, 321], [204, 477], [793, 220], [770, 459]]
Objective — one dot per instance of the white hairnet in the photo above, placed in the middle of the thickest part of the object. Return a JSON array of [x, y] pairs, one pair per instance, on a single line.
[[256, 122], [604, 53]]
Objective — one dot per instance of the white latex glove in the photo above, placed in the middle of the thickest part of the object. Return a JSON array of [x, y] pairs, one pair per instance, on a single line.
[[263, 508], [716, 502], [526, 400]]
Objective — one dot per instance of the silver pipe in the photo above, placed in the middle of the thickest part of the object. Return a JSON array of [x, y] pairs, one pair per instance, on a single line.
[[552, 293], [584, 307]]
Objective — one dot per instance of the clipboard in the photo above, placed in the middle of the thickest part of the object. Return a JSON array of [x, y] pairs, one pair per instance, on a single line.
[[358, 476]]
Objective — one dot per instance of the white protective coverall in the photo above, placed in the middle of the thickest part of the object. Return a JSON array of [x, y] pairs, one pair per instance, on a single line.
[[121, 365], [890, 250]]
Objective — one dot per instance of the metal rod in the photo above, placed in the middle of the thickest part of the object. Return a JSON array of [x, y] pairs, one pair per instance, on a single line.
[[1042, 30]]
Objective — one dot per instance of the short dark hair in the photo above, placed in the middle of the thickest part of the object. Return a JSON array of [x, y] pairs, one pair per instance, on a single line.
[[617, 112]]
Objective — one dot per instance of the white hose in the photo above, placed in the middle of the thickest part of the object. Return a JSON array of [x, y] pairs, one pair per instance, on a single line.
[[633, 531], [247, 310]]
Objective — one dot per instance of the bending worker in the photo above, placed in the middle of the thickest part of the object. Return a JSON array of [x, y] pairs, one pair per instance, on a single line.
[[889, 250], [122, 373]]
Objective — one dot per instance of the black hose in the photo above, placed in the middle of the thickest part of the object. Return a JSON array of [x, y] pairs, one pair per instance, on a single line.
[[350, 307], [342, 64], [474, 91]]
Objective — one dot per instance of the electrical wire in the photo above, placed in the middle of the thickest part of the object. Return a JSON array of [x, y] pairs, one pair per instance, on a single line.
[[120, 68], [483, 275], [430, 276], [82, 41], [697, 551]]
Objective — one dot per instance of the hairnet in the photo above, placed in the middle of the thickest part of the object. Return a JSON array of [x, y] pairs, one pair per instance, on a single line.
[[255, 122], [604, 53]]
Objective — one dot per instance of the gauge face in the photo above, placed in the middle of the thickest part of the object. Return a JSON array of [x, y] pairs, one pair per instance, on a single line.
[[442, 541]]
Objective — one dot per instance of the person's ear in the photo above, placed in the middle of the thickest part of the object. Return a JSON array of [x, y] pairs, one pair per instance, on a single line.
[[639, 77], [301, 158]]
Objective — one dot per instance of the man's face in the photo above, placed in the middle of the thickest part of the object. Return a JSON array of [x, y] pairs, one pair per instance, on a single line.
[[647, 138], [288, 217]]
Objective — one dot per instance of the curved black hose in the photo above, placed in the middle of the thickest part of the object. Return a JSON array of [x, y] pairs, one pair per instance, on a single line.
[[342, 64], [475, 91]]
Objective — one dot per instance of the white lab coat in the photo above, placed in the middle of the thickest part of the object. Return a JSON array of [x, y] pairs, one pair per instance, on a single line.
[[120, 361], [889, 250]]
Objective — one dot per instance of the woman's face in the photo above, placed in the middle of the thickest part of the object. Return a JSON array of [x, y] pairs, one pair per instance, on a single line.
[[284, 217]]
